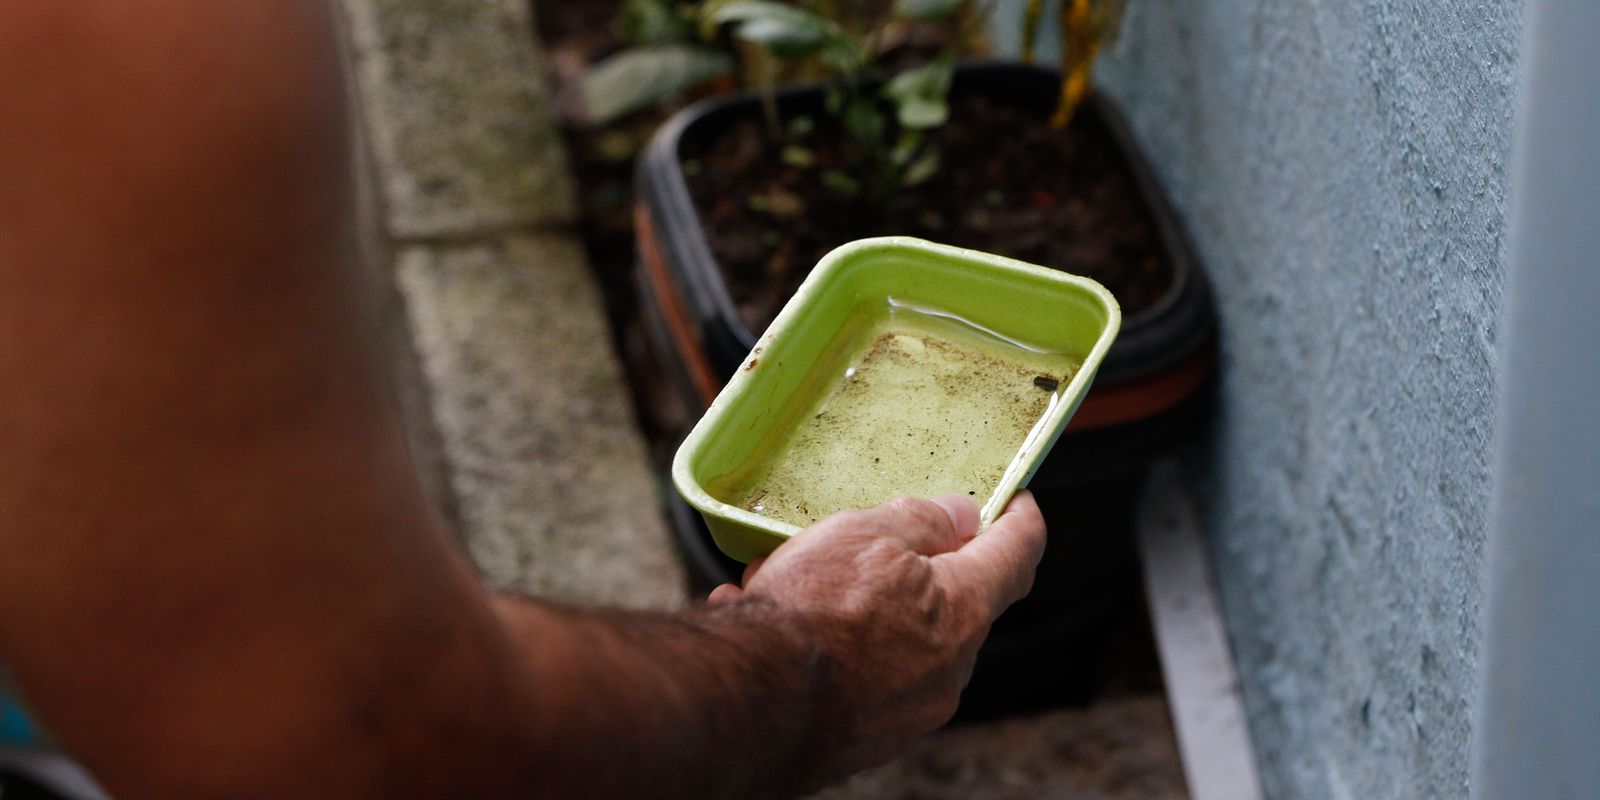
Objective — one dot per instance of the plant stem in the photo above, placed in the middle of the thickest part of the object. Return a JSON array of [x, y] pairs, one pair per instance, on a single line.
[[769, 105], [1030, 29], [766, 78], [1083, 26]]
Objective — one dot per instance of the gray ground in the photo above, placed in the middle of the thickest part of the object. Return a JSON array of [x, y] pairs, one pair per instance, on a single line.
[[1114, 750]]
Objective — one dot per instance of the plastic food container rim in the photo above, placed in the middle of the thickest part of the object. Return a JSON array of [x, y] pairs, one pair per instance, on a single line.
[[682, 471]]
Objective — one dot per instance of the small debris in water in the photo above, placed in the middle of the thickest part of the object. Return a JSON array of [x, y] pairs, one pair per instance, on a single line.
[[907, 403], [1047, 383]]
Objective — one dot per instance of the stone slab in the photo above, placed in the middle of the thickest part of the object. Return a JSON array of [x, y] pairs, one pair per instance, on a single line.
[[457, 115], [1196, 664], [549, 473]]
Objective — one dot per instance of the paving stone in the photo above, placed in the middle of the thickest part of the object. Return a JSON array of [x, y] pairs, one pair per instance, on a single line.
[[1114, 750], [458, 117], [552, 489]]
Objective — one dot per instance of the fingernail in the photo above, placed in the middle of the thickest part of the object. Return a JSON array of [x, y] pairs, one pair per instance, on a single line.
[[962, 510]]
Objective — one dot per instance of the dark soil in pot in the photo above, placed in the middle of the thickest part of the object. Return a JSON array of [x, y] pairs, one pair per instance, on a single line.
[[737, 224], [730, 226], [1009, 185]]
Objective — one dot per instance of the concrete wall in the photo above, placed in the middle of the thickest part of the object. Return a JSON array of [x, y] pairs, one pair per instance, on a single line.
[[1342, 167]]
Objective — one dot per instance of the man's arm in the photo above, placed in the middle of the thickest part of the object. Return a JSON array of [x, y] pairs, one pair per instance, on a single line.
[[850, 640], [218, 575]]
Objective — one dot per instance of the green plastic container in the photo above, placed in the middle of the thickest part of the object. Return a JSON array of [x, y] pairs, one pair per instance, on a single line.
[[853, 302]]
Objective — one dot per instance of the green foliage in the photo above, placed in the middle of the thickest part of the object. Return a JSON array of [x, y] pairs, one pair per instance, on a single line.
[[680, 44], [884, 116], [796, 156], [637, 78], [669, 56], [840, 182], [784, 30], [922, 168], [921, 95]]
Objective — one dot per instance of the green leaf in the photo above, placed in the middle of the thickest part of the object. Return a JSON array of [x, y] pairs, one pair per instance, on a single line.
[[923, 113], [905, 147], [921, 95], [787, 31], [932, 79], [840, 182], [634, 79], [929, 10], [865, 124], [708, 16], [796, 156], [845, 55], [801, 126], [922, 169]]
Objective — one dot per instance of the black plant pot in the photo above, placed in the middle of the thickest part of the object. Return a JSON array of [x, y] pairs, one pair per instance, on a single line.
[[1151, 396], [1150, 391]]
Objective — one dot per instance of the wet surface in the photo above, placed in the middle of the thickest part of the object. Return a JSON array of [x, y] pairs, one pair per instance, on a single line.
[[926, 409]]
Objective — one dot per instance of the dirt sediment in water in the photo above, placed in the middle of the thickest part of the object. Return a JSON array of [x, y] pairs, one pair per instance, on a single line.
[[916, 414]]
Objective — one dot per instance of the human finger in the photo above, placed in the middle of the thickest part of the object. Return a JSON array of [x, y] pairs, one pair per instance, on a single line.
[[963, 513], [1002, 559], [929, 527], [751, 569], [726, 593]]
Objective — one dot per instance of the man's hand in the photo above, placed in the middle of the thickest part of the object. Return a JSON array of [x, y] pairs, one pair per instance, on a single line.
[[898, 599]]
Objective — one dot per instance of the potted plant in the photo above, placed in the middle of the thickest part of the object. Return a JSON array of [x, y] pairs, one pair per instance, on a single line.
[[738, 196]]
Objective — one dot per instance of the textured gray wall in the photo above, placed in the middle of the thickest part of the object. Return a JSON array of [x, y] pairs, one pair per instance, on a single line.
[[1342, 167]]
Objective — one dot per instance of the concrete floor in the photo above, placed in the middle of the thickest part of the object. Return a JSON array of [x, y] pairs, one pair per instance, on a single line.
[[1115, 750]]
